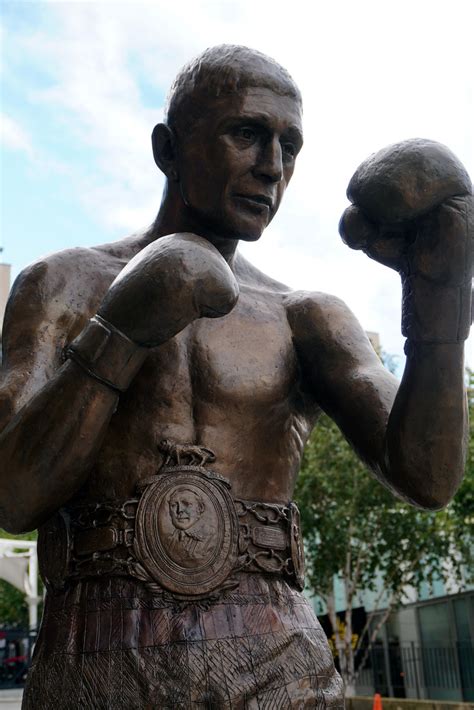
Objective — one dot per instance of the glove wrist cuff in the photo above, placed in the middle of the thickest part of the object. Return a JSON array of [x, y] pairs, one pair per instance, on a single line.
[[434, 313], [107, 354]]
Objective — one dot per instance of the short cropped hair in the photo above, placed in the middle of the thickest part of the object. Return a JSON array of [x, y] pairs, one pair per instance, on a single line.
[[223, 70]]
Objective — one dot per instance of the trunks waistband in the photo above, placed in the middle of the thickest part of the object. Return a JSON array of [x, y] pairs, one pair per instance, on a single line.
[[184, 533]]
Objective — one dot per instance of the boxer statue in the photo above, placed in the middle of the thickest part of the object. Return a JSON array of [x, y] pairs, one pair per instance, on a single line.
[[157, 394]]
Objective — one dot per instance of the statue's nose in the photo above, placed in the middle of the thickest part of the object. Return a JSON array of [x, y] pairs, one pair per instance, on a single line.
[[270, 162]]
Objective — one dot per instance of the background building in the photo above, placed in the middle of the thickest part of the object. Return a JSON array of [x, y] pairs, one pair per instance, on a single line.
[[4, 290]]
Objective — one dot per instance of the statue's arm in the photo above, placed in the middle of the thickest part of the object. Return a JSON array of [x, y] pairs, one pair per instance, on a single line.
[[411, 434], [53, 416], [413, 210]]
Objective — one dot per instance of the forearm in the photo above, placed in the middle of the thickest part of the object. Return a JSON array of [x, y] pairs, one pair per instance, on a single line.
[[427, 428], [427, 432], [49, 447]]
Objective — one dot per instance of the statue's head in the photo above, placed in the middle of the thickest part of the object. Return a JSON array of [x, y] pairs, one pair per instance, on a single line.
[[229, 142]]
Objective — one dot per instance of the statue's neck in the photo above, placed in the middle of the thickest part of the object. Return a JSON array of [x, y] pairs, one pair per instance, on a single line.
[[174, 216]]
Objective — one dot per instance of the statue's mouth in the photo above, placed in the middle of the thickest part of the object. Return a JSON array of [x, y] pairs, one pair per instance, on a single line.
[[257, 200]]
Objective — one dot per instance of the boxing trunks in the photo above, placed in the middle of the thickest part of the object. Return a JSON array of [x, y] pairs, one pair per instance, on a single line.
[[182, 597]]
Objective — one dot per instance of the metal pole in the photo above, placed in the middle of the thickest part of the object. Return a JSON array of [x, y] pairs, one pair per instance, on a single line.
[[415, 668], [457, 665], [387, 661], [33, 580]]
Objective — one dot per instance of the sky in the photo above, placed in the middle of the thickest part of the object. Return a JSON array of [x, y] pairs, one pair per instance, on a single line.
[[83, 84]]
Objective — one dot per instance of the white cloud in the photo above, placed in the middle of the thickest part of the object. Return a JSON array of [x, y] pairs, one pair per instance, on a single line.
[[14, 136]]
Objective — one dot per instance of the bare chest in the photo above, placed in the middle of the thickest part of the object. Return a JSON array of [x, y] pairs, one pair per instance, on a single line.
[[244, 360]]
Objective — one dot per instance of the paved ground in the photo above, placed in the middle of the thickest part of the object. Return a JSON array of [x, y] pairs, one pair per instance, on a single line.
[[10, 699]]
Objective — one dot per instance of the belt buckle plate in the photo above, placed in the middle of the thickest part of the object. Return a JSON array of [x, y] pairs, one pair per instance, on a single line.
[[186, 530]]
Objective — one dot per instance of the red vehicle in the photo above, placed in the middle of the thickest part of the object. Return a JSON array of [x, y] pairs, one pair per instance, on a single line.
[[14, 657]]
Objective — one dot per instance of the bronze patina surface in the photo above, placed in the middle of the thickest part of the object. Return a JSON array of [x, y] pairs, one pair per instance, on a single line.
[[157, 394]]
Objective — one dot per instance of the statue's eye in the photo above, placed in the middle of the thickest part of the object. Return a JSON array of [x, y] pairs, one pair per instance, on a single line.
[[289, 149], [247, 133]]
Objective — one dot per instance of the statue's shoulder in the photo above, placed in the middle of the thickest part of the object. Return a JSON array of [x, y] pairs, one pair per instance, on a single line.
[[71, 281], [311, 314], [313, 303], [318, 316], [78, 267]]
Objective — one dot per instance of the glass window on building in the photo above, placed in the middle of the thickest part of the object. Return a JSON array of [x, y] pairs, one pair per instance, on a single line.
[[447, 654]]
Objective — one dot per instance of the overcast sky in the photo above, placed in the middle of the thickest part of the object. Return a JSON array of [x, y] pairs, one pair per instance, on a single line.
[[83, 83]]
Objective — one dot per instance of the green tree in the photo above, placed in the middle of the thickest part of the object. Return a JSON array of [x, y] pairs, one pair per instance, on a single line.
[[13, 607], [356, 530]]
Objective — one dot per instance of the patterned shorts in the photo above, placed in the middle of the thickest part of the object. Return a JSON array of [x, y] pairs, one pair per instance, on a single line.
[[116, 644]]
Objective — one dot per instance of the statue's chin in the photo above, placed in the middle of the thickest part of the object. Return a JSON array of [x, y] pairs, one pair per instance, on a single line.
[[183, 525], [250, 237]]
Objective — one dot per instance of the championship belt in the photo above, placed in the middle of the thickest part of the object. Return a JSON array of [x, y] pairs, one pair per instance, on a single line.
[[183, 533]]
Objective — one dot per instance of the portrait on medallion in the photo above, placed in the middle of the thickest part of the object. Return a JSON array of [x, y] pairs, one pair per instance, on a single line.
[[181, 385], [193, 536]]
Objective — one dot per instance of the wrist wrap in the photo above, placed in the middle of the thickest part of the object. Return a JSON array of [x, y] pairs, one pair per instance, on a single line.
[[437, 282], [106, 354], [434, 313]]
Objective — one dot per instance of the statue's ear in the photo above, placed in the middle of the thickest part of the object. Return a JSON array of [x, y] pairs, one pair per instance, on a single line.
[[164, 150]]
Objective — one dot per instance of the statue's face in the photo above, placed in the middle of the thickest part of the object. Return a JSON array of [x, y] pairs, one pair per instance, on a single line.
[[237, 162], [185, 509]]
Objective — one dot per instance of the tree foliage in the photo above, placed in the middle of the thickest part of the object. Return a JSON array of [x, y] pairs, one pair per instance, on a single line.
[[356, 530], [13, 607]]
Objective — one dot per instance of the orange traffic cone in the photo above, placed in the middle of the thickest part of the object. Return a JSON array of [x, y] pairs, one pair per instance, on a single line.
[[377, 702]]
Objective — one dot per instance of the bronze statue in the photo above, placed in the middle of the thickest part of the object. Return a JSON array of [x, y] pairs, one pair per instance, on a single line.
[[157, 394]]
